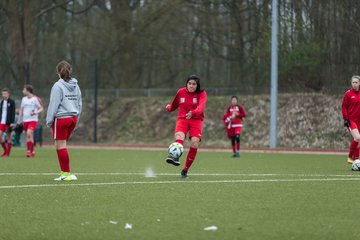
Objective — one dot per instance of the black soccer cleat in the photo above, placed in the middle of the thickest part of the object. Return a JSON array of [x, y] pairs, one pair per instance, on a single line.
[[236, 155], [184, 174], [173, 161]]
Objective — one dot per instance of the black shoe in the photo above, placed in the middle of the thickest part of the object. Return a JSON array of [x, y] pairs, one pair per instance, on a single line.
[[234, 155], [173, 161], [184, 174]]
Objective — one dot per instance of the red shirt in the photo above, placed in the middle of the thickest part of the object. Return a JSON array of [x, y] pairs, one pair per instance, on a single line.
[[235, 110], [186, 101], [351, 105]]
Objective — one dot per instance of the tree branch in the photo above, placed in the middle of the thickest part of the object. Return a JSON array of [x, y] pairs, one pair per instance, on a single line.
[[78, 12], [48, 9]]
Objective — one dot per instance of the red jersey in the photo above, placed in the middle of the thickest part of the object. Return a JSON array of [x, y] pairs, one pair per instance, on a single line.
[[351, 105], [186, 101], [237, 112]]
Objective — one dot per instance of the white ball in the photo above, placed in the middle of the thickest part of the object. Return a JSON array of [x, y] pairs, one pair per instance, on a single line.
[[355, 165], [176, 150]]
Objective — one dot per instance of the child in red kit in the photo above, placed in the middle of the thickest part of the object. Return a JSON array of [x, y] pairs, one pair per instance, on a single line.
[[190, 101], [233, 120]]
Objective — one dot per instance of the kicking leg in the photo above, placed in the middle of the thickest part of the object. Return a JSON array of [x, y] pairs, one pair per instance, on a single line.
[[179, 138]]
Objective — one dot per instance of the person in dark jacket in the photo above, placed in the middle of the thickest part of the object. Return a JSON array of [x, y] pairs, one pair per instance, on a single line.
[[7, 118]]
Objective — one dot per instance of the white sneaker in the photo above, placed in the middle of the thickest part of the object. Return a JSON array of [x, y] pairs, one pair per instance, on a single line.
[[66, 176], [72, 178]]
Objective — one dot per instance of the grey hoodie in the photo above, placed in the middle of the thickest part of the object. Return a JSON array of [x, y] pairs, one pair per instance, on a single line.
[[65, 101]]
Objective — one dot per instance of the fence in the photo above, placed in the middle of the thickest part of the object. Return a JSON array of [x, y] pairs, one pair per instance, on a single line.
[[148, 92], [152, 92]]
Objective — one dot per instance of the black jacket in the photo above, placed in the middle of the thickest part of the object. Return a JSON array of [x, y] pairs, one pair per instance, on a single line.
[[10, 116]]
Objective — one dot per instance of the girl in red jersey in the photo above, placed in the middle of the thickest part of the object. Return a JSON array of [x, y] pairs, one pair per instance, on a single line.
[[351, 115], [63, 115], [233, 119], [191, 101]]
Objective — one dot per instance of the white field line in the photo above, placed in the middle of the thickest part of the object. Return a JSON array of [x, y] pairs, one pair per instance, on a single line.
[[181, 182], [208, 149], [192, 174], [141, 174]]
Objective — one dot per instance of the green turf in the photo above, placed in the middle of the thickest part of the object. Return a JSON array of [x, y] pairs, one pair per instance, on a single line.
[[288, 196]]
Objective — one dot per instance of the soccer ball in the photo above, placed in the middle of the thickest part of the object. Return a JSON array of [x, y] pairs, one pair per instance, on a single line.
[[355, 165], [175, 150]]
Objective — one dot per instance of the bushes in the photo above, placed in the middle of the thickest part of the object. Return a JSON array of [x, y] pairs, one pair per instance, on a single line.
[[305, 121]]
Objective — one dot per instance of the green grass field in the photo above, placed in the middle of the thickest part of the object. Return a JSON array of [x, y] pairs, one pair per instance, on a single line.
[[259, 196]]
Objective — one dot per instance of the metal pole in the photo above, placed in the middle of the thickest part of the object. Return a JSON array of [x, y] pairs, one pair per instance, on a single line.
[[95, 99], [274, 75]]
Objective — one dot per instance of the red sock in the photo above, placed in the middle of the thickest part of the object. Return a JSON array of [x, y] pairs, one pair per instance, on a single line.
[[190, 158], [180, 141], [31, 147], [9, 145], [233, 148], [4, 147], [64, 160], [353, 147], [356, 153], [28, 147]]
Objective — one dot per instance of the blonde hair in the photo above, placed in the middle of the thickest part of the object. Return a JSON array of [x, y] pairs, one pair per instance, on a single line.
[[64, 69], [357, 77]]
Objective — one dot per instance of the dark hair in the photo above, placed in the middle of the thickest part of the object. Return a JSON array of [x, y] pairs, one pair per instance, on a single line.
[[5, 90], [29, 88], [64, 69], [197, 80], [234, 97]]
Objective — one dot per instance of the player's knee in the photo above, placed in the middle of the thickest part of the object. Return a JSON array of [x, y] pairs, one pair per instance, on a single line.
[[237, 137], [194, 143], [179, 135], [59, 144], [357, 138]]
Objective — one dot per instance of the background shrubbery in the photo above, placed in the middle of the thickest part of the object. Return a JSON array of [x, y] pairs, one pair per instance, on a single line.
[[305, 121]]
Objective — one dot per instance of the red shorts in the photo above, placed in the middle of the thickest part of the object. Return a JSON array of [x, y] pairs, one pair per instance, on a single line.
[[63, 127], [3, 127], [30, 125], [233, 131], [354, 125], [194, 126]]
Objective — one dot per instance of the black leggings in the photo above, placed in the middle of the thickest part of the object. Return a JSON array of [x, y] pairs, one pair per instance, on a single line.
[[235, 139]]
